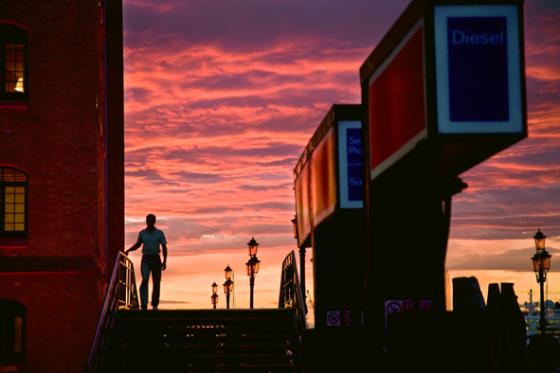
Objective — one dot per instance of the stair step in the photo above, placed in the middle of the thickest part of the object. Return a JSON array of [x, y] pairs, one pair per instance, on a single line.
[[206, 314], [151, 357], [206, 368], [207, 349], [217, 341], [178, 326]]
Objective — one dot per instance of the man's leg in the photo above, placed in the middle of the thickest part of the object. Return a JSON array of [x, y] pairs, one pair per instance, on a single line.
[[145, 271], [156, 278]]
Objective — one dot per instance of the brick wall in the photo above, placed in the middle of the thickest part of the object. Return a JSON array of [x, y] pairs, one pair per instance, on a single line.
[[69, 141]]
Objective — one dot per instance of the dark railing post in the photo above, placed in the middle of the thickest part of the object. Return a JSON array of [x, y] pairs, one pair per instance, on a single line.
[[121, 292], [290, 289]]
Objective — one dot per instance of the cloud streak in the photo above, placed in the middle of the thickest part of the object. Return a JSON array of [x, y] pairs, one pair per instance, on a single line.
[[221, 97]]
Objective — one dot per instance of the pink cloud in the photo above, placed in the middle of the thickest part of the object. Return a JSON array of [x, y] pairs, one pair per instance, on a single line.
[[219, 105]]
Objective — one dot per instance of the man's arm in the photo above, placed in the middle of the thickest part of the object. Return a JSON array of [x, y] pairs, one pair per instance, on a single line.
[[135, 246], [164, 251]]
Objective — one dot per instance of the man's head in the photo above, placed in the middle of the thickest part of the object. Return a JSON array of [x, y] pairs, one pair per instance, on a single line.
[[150, 220]]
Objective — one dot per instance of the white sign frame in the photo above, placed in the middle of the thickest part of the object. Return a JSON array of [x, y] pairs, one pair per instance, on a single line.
[[344, 197], [515, 123]]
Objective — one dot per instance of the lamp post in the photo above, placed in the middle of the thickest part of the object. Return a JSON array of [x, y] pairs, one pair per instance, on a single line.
[[541, 265], [214, 297], [228, 284], [252, 267]]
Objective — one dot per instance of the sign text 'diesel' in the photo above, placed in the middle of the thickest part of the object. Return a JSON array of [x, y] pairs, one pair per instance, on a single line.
[[478, 69]]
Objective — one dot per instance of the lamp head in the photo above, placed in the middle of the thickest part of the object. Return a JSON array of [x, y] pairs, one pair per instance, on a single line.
[[253, 245], [539, 240]]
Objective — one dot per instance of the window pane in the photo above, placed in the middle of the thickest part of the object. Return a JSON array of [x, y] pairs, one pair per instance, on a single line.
[[14, 68], [13, 212], [9, 174], [10, 62]]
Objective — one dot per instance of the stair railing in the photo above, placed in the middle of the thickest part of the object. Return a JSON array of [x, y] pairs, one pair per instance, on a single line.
[[121, 294], [290, 290]]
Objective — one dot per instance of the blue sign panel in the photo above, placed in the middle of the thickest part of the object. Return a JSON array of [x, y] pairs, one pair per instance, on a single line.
[[478, 69], [350, 164], [478, 74], [355, 159]]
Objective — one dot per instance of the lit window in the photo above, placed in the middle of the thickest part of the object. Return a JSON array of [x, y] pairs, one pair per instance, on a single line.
[[13, 72], [13, 203], [12, 333]]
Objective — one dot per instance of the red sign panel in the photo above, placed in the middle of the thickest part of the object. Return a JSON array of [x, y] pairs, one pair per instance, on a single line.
[[397, 111], [303, 204], [323, 178]]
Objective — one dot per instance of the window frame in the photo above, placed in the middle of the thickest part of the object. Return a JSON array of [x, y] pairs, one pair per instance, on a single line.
[[3, 185], [12, 34]]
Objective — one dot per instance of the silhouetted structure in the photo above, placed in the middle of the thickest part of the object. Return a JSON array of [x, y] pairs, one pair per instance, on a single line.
[[253, 265], [426, 95], [264, 340], [61, 176], [330, 218], [228, 284], [436, 101], [541, 265]]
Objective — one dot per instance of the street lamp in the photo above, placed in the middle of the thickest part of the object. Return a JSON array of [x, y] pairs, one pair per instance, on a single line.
[[214, 297], [228, 284], [253, 245], [541, 265], [252, 267]]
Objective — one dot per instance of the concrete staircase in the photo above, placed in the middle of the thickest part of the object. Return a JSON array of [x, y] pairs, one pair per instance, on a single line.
[[217, 341]]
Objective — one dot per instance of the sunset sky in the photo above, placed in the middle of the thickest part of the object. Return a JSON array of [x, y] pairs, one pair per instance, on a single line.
[[221, 97]]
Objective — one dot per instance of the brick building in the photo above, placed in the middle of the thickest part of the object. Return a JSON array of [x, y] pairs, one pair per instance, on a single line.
[[61, 176]]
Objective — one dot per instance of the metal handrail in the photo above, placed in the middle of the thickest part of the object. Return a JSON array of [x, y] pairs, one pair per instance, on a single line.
[[121, 294], [290, 290]]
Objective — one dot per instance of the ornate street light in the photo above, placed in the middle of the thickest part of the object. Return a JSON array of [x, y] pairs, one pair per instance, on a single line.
[[252, 267], [540, 239], [253, 245], [214, 297], [541, 265], [228, 284]]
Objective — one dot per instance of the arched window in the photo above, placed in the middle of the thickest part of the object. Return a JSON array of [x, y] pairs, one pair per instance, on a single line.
[[13, 63], [13, 203], [12, 332]]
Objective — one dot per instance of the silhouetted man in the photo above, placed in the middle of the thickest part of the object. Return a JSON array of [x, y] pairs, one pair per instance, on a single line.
[[151, 238]]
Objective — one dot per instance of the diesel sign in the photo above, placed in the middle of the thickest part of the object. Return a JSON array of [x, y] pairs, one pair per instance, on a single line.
[[478, 74], [467, 37]]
